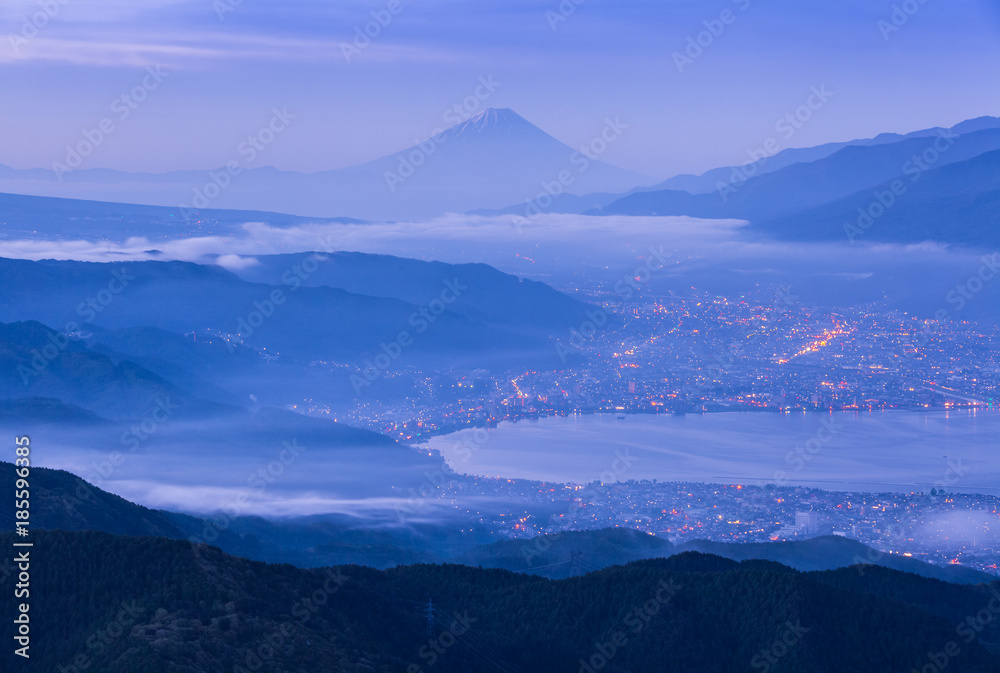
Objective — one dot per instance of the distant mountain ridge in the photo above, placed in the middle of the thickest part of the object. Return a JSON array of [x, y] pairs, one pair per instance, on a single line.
[[491, 160], [710, 180], [312, 542], [38, 362], [575, 553], [957, 203], [180, 297], [46, 217], [940, 189], [497, 163], [490, 295], [807, 185], [815, 193]]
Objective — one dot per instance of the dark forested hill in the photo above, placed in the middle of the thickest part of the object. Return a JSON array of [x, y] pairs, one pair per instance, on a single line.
[[39, 362], [569, 554], [488, 295], [830, 552], [501, 320], [124, 604], [60, 500]]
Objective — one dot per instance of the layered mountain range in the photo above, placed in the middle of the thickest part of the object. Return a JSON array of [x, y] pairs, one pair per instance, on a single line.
[[937, 187], [453, 315], [107, 599], [937, 184], [487, 161], [178, 369]]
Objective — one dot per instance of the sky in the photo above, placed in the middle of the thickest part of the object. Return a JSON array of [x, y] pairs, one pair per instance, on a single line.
[[224, 66]]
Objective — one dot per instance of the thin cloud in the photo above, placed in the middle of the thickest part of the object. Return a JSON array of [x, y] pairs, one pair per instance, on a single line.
[[202, 499], [137, 51], [453, 238]]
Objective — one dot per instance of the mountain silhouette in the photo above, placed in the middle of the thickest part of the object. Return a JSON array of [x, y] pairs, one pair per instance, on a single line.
[[490, 160]]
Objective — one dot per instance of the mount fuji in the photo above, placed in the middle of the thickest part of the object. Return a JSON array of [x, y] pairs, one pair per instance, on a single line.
[[487, 161]]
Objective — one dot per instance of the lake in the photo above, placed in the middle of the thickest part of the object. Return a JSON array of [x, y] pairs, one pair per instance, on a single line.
[[871, 451]]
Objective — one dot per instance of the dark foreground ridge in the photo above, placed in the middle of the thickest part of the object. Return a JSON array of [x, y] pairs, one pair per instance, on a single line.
[[123, 604]]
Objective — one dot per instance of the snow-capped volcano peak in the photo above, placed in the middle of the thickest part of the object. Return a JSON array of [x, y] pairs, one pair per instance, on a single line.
[[499, 122]]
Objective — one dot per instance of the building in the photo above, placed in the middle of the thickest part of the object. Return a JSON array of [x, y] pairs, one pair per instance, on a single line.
[[807, 522]]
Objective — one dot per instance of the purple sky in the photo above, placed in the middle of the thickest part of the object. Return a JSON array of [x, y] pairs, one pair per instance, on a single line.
[[231, 61]]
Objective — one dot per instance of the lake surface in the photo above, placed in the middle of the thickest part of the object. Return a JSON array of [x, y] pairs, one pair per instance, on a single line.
[[872, 451]]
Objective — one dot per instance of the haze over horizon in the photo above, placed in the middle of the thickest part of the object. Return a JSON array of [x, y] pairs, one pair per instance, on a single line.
[[229, 63]]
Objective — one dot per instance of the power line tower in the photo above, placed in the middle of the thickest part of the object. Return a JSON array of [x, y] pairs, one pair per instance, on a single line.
[[430, 617]]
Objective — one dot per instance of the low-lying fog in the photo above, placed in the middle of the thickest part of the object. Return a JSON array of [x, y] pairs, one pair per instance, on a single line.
[[578, 252]]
